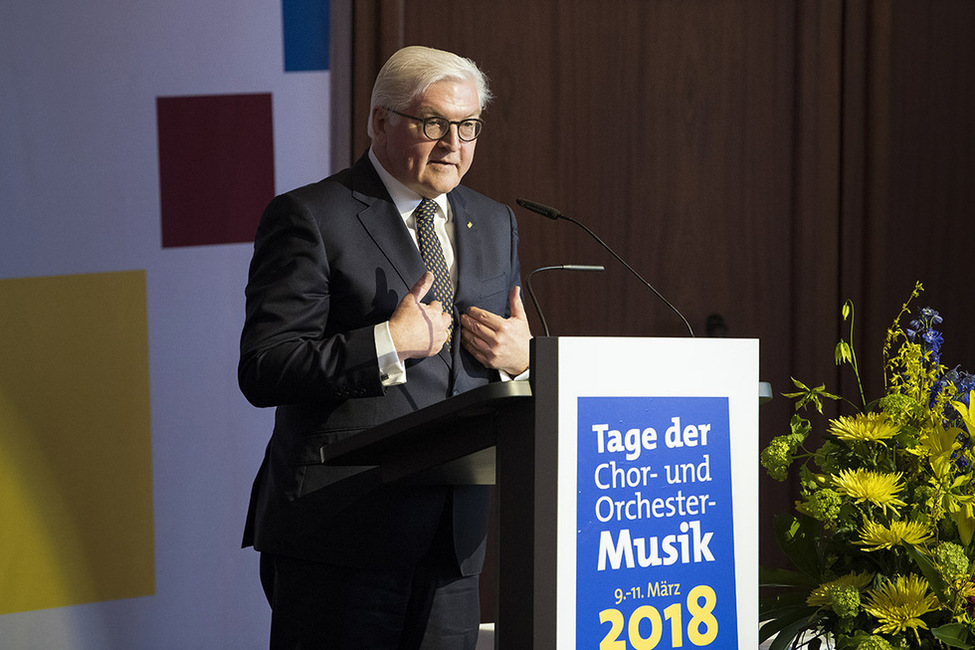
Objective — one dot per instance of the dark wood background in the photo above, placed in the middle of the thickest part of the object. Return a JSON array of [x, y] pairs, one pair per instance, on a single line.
[[762, 160]]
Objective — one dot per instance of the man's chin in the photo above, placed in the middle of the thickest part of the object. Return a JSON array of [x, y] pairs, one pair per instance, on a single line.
[[442, 183]]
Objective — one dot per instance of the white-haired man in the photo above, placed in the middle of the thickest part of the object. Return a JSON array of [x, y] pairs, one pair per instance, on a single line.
[[375, 292]]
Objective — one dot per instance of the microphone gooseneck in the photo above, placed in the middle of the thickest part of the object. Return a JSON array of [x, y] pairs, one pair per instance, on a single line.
[[552, 213], [557, 267]]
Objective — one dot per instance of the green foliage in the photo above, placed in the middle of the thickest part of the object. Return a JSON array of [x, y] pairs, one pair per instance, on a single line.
[[881, 537]]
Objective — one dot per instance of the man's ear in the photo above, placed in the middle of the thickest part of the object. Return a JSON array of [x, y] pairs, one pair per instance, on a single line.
[[380, 120]]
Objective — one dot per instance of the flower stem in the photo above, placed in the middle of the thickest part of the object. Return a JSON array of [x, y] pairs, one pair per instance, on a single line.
[[849, 352]]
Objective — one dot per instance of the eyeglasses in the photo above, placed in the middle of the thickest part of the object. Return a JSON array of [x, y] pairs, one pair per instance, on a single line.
[[436, 128]]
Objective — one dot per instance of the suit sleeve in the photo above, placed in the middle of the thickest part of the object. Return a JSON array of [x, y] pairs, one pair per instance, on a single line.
[[287, 353], [515, 261]]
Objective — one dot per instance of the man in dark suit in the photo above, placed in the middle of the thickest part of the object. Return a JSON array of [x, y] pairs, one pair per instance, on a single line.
[[347, 328]]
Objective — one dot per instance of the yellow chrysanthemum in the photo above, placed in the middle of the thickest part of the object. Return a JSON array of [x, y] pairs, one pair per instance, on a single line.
[[869, 427], [865, 485], [877, 536], [899, 605], [819, 597]]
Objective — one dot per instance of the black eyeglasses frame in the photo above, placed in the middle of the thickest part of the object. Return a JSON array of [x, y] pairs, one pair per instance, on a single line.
[[434, 120]]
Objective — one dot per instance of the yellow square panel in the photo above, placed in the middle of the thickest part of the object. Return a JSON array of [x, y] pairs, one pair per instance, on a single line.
[[75, 449]]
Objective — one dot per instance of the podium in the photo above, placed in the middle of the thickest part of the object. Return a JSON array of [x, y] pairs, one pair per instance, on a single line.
[[627, 489]]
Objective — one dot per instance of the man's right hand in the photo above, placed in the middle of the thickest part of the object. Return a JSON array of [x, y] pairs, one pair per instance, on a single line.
[[419, 330]]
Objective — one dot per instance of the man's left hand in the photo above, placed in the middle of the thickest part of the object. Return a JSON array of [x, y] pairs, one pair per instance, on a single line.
[[498, 342]]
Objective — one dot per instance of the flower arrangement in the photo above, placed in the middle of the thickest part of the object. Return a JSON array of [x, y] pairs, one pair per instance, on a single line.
[[881, 538]]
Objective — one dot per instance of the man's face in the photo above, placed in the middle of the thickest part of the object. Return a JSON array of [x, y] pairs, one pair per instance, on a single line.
[[428, 167]]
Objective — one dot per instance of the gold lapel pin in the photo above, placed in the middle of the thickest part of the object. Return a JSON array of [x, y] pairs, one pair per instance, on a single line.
[[470, 225]]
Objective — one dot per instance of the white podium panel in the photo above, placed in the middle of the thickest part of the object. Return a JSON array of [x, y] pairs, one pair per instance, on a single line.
[[656, 486]]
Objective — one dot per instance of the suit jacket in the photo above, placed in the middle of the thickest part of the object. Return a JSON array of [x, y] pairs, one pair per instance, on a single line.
[[331, 260]]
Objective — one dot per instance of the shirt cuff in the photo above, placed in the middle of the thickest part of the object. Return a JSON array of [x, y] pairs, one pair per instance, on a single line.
[[392, 372], [506, 377]]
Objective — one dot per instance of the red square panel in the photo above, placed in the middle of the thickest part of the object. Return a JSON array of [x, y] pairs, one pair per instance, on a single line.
[[216, 167]]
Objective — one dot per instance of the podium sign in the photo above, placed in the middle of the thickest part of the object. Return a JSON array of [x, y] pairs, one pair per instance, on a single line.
[[656, 489]]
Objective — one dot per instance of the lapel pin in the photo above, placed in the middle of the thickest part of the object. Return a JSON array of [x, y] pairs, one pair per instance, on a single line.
[[470, 225]]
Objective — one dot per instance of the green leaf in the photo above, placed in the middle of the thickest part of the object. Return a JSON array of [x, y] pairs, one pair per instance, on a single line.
[[853, 641], [784, 607], [797, 538], [775, 577], [788, 634], [773, 626], [953, 635], [787, 618], [767, 631], [799, 384], [931, 574], [808, 395], [800, 426]]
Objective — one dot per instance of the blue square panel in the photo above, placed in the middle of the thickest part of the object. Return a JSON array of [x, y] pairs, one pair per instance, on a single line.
[[305, 35]]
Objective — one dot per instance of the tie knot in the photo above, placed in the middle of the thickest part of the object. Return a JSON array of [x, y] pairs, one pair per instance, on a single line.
[[427, 210]]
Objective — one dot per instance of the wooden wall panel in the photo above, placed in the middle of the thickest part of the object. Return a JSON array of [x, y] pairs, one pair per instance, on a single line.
[[759, 160], [920, 170], [670, 129]]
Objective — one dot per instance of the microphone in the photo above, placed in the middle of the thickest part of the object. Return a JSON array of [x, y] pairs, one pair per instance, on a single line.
[[543, 210], [558, 267], [554, 214]]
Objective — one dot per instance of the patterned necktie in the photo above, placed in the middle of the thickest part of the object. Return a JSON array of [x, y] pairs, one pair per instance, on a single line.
[[432, 253]]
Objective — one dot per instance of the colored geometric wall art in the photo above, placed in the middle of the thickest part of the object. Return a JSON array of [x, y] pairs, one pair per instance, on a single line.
[[75, 453], [216, 167], [306, 25]]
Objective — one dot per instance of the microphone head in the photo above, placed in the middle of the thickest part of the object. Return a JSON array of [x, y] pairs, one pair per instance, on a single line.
[[539, 208]]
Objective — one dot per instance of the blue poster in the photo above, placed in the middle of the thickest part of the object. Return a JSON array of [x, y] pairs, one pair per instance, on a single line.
[[655, 563]]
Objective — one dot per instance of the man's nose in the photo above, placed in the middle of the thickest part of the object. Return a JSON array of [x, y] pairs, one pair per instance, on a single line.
[[451, 139]]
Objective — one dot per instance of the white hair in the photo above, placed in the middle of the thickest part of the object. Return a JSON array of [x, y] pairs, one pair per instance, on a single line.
[[412, 70]]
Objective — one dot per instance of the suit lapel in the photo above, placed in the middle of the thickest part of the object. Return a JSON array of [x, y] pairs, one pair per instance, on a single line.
[[470, 235], [383, 223], [385, 226], [467, 253]]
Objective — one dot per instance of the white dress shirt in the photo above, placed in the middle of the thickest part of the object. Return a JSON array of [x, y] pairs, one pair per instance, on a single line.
[[391, 368]]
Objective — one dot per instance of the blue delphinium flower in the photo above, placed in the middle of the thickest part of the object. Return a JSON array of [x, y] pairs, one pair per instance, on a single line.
[[965, 383], [921, 330], [932, 342], [931, 316]]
